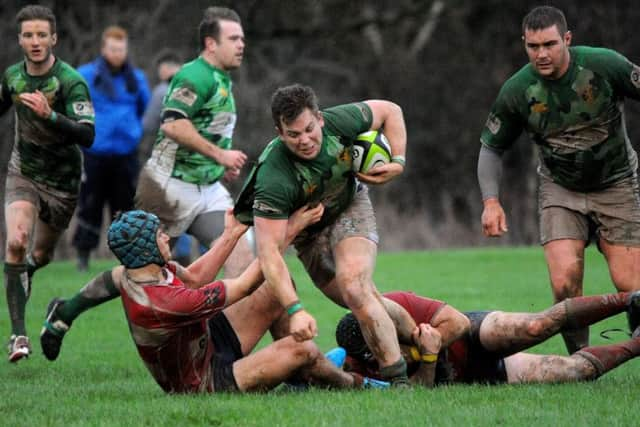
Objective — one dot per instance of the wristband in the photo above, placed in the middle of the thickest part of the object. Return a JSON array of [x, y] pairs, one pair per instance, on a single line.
[[400, 160], [294, 308], [53, 116], [427, 358]]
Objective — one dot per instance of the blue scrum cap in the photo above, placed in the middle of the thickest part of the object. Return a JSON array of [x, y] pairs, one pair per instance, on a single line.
[[132, 239]]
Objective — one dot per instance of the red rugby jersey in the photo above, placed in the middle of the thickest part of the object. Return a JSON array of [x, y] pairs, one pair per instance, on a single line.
[[168, 323]]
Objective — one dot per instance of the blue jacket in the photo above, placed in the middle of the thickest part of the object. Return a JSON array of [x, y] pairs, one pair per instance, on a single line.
[[118, 114]]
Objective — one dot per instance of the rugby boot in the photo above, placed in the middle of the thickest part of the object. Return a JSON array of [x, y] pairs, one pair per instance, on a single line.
[[53, 331], [19, 348], [633, 312]]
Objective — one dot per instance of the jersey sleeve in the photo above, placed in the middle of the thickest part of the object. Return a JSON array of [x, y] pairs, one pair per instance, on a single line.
[[275, 192], [184, 96], [185, 305], [624, 74], [504, 124], [78, 105], [348, 120]]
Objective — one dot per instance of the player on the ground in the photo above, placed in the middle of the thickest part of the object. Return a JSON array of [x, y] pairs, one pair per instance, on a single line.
[[195, 334], [490, 351], [180, 182], [53, 116], [310, 162], [570, 102]]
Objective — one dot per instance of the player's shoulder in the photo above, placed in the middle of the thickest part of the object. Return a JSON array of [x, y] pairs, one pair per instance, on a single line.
[[358, 109], [275, 153], [196, 69], [520, 80], [597, 58], [66, 73], [14, 68]]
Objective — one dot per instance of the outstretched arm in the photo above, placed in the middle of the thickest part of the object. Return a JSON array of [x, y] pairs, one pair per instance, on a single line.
[[253, 276], [205, 269]]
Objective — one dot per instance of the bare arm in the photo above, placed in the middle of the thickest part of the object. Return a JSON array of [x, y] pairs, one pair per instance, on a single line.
[[270, 237], [253, 276], [451, 324], [388, 115], [403, 322], [184, 133], [429, 343], [205, 269]]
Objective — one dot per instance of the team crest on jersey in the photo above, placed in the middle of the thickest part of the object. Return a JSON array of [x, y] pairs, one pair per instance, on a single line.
[[184, 95], [82, 108], [223, 92], [539, 107], [493, 124], [635, 76]]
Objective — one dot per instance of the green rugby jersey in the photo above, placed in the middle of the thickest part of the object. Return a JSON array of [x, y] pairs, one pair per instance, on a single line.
[[281, 182], [202, 93], [577, 121], [40, 152]]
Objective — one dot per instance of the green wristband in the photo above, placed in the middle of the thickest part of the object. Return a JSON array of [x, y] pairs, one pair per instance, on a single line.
[[53, 116], [400, 160], [294, 308]]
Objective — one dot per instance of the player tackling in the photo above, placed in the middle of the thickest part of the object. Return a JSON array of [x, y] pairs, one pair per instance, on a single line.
[[195, 333]]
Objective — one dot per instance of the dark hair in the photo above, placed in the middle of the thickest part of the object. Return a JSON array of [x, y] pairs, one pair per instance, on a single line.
[[288, 102], [210, 24], [167, 55], [349, 336], [544, 17], [34, 12]]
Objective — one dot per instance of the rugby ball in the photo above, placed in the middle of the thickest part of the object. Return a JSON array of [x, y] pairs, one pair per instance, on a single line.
[[370, 149]]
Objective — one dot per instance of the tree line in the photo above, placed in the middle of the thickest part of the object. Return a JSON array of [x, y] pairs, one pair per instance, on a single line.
[[442, 61]]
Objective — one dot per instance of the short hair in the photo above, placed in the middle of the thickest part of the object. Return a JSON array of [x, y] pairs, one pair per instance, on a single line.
[[167, 56], [288, 102], [210, 24], [544, 17], [36, 12], [114, 32]]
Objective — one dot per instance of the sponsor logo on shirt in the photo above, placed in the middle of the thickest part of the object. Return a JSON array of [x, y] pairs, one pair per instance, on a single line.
[[635, 76], [82, 108], [364, 111], [263, 207], [184, 95], [493, 124], [212, 296]]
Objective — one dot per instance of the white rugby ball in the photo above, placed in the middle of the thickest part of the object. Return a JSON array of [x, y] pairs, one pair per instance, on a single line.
[[370, 149]]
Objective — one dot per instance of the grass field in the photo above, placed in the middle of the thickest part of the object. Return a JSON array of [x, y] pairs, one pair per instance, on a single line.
[[99, 379]]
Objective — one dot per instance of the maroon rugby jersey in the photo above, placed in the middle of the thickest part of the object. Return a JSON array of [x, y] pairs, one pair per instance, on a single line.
[[422, 310], [168, 323]]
